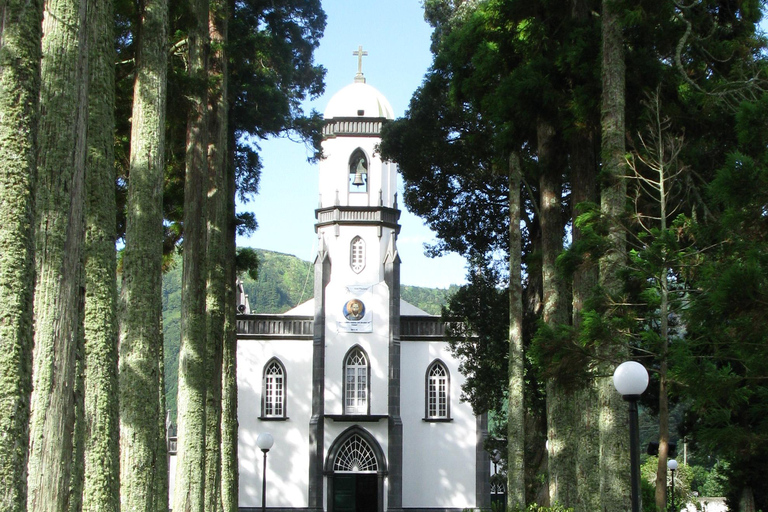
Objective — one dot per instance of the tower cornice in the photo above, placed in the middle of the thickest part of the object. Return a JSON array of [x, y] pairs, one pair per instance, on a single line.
[[381, 216]]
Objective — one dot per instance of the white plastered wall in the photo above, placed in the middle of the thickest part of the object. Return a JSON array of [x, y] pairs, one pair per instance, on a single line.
[[288, 460], [438, 457]]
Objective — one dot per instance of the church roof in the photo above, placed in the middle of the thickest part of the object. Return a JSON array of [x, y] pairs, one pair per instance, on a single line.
[[358, 97], [308, 309]]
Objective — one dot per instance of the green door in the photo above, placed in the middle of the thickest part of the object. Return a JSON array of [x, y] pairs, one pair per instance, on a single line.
[[344, 493], [355, 493]]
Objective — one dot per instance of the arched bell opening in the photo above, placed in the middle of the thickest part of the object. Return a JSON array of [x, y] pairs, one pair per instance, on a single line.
[[358, 171]]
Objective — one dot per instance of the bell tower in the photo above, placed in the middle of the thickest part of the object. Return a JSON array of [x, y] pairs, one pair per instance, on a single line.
[[356, 334], [357, 216]]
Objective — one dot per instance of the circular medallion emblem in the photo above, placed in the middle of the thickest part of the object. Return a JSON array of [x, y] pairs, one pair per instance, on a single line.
[[354, 309]]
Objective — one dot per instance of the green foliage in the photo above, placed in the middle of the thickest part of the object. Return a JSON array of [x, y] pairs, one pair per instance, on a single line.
[[533, 507], [431, 300], [710, 482], [683, 492], [479, 341]]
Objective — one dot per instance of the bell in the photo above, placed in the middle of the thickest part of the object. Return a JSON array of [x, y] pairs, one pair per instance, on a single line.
[[358, 180]]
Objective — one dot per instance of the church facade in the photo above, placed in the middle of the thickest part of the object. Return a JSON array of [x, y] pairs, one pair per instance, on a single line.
[[357, 387]]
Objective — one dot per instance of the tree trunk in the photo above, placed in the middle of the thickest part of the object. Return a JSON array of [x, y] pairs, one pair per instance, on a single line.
[[561, 410], [77, 476], [20, 54], [141, 295], [161, 482], [59, 241], [189, 487], [217, 253], [516, 376], [614, 437], [229, 464], [585, 277], [747, 500], [101, 491]]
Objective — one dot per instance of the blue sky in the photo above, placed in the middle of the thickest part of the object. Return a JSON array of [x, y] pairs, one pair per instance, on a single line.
[[396, 37]]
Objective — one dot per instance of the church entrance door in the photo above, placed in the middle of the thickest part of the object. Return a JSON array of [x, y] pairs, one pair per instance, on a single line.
[[355, 492]]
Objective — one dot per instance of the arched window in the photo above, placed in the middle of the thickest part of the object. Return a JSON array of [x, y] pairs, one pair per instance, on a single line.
[[357, 254], [356, 371], [438, 392], [273, 395], [358, 171]]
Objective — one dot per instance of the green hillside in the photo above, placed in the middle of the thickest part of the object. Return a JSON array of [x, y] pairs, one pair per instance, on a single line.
[[284, 282]]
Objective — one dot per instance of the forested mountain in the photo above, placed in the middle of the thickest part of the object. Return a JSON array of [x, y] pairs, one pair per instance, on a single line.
[[284, 282]]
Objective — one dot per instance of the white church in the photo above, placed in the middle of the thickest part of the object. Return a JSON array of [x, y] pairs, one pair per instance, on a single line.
[[357, 387]]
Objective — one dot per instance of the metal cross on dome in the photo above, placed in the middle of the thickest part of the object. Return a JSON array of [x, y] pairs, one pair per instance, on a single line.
[[360, 54]]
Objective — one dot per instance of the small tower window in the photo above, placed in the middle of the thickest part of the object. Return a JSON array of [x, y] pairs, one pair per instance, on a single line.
[[357, 254], [358, 171]]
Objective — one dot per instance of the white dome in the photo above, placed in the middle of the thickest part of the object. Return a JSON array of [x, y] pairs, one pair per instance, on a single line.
[[357, 97]]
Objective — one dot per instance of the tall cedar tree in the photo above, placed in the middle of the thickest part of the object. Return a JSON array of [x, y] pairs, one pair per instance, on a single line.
[[142, 441], [20, 53], [613, 415], [516, 403], [101, 489], [189, 487], [59, 205], [217, 250], [229, 462]]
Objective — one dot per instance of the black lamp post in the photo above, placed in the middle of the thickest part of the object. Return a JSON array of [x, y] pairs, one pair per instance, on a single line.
[[631, 379], [264, 442], [672, 466]]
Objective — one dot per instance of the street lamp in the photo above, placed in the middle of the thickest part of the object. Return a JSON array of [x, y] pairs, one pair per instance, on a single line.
[[672, 466], [631, 379], [264, 442]]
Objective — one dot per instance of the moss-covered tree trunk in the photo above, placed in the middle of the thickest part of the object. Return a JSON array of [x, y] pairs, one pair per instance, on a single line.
[[77, 475], [140, 305], [217, 253], [162, 467], [189, 486], [586, 436], [20, 53], [516, 372], [561, 410], [59, 209], [613, 417], [101, 491], [229, 463]]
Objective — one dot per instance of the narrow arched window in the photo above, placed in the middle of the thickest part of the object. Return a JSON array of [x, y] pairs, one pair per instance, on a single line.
[[356, 371], [357, 254], [437, 392], [358, 171], [273, 396]]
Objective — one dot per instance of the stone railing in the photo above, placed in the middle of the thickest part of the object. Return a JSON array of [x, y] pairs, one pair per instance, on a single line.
[[352, 126], [274, 326], [421, 328], [357, 215]]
